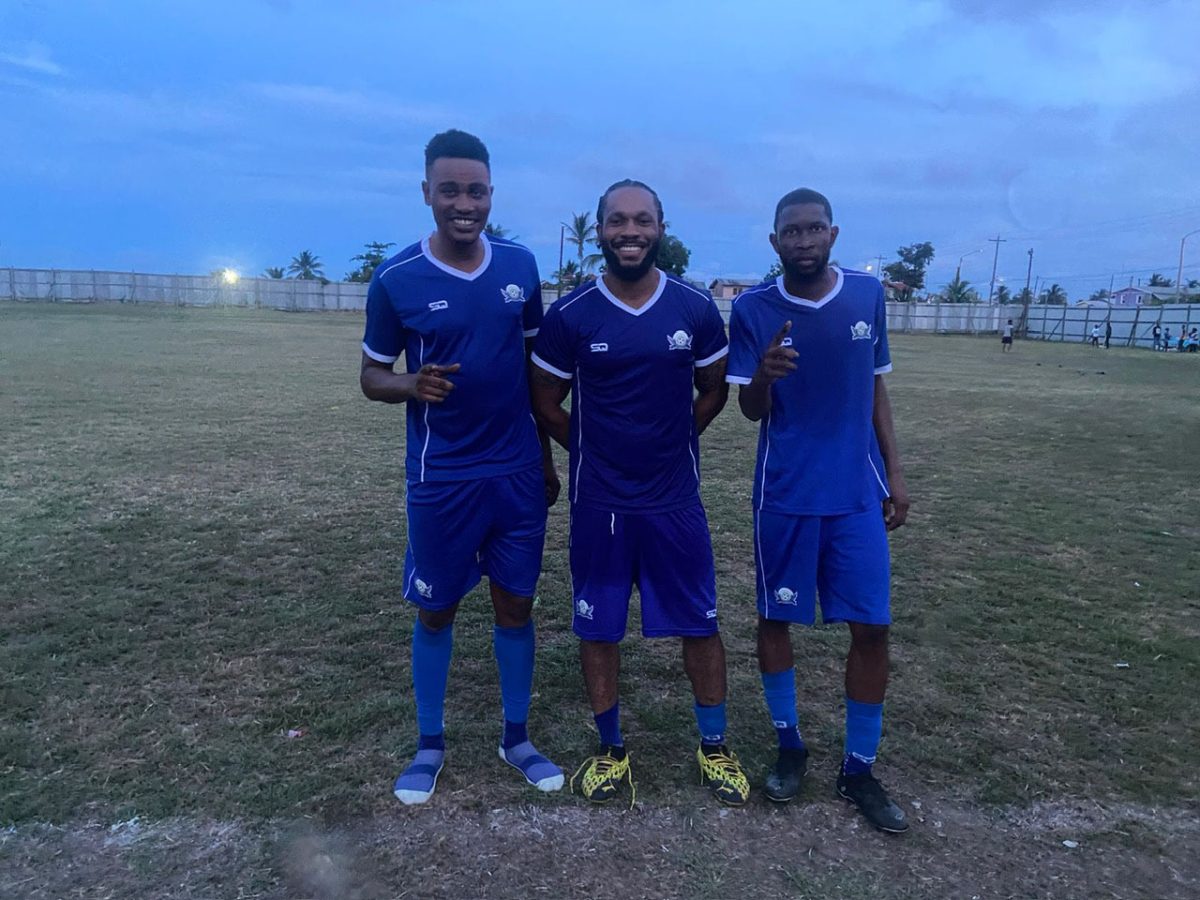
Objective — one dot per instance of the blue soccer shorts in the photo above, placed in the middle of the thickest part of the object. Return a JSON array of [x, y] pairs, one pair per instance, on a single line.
[[667, 555], [841, 559], [461, 530]]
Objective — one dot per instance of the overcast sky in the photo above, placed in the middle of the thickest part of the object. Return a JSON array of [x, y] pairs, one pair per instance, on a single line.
[[182, 137]]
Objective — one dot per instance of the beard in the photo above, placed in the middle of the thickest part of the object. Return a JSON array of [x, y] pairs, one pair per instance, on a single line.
[[613, 265], [806, 272]]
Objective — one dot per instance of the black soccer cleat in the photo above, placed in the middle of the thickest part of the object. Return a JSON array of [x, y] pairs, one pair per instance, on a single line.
[[865, 792], [786, 776]]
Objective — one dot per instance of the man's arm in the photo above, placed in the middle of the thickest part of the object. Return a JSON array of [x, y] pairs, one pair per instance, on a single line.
[[548, 392], [429, 385], [895, 507], [713, 392], [549, 473], [754, 398]]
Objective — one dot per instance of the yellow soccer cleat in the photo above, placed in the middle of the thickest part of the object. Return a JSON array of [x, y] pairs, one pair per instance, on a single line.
[[600, 776], [722, 774]]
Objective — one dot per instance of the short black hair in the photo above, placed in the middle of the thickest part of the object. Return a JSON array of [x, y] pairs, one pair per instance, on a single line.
[[624, 183], [455, 144], [802, 195]]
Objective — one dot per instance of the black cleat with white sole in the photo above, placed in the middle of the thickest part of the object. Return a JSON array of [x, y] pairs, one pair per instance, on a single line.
[[786, 776], [865, 792]]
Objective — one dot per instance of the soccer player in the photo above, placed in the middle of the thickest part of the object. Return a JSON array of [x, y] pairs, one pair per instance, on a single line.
[[630, 347], [1006, 337], [809, 351], [461, 307]]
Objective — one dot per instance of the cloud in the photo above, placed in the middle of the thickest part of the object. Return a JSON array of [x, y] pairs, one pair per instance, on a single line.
[[32, 57], [351, 104]]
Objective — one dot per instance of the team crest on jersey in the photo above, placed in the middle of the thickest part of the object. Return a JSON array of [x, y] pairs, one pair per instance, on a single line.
[[425, 590], [583, 609], [514, 293], [680, 340], [860, 331], [786, 596]]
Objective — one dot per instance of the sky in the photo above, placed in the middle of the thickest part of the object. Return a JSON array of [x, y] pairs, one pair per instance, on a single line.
[[187, 136]]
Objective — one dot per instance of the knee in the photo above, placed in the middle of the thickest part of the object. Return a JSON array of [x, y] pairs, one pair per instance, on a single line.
[[437, 619], [511, 611], [869, 638]]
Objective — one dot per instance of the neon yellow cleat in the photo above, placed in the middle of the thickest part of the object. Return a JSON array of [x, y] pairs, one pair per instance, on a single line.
[[722, 774]]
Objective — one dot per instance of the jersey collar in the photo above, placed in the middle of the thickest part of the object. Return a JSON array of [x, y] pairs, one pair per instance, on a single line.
[[620, 304], [812, 304], [458, 273]]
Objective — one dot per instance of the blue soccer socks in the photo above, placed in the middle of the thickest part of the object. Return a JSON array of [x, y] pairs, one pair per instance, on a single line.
[[779, 690], [608, 723], [431, 651], [538, 771], [864, 727], [711, 722], [514, 657]]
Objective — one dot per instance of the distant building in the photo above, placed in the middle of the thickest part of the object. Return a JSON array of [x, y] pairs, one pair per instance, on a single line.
[[1142, 295], [728, 288]]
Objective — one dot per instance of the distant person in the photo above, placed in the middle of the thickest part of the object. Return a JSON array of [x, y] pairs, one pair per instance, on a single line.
[[462, 309], [1107, 332], [1167, 339], [1156, 334], [1096, 336], [1182, 338], [1193, 341], [1006, 337]]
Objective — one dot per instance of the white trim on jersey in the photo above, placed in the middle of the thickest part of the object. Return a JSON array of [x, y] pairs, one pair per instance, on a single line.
[[620, 304], [812, 304], [532, 332], [709, 360], [883, 486], [425, 448], [695, 466], [737, 379], [542, 364], [883, 370], [397, 264], [378, 357], [762, 485], [457, 273], [580, 296], [578, 410]]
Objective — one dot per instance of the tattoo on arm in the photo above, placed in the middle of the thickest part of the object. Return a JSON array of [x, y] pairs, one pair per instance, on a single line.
[[711, 377], [549, 379]]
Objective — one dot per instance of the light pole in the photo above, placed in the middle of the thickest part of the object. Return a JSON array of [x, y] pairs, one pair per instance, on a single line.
[[1179, 274], [958, 271]]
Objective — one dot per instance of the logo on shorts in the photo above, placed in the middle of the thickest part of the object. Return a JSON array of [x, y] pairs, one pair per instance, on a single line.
[[438, 304], [599, 348], [711, 613], [583, 610], [785, 596], [514, 293], [425, 590], [860, 331], [680, 340]]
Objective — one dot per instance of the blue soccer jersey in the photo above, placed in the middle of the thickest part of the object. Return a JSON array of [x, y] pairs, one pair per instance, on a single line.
[[817, 453], [433, 313], [633, 444]]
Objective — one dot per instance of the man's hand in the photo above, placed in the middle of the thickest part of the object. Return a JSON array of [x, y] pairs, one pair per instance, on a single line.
[[430, 384], [895, 507], [553, 485], [777, 360]]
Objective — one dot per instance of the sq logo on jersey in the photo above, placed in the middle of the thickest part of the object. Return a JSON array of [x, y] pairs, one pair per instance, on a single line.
[[860, 331], [514, 293], [680, 340]]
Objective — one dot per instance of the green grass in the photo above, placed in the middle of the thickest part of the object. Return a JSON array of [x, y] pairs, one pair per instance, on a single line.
[[201, 531]]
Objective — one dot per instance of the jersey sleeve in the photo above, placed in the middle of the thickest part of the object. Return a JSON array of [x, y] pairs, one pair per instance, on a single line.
[[710, 343], [883, 357], [743, 347], [383, 339], [554, 349], [533, 314]]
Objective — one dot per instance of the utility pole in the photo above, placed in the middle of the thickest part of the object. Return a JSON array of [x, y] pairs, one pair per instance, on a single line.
[[562, 230], [1179, 274], [879, 266], [997, 240], [1028, 273]]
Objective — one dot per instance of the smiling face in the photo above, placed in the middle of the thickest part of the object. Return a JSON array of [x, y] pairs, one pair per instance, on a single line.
[[803, 238], [630, 232], [460, 193]]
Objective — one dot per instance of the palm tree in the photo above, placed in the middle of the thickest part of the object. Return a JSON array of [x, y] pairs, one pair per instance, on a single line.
[[1159, 280], [959, 291], [1003, 295], [273, 272], [1054, 295], [581, 231], [307, 266], [498, 231], [568, 274]]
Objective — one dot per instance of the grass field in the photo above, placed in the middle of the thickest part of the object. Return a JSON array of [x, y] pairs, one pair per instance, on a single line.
[[201, 531]]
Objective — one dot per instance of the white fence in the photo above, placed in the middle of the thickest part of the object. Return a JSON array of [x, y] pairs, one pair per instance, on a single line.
[[1131, 326], [74, 286]]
